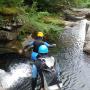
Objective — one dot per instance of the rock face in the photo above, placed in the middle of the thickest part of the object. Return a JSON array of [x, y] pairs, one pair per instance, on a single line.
[[9, 30], [5, 35], [86, 47]]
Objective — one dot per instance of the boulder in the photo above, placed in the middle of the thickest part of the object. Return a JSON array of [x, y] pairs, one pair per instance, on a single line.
[[86, 47], [87, 15]]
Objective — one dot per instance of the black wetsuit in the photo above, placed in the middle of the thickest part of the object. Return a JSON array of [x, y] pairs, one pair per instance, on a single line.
[[37, 44]]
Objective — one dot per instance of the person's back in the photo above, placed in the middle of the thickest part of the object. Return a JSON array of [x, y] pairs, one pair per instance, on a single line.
[[36, 44]]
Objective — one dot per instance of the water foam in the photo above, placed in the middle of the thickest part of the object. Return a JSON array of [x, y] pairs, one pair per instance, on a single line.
[[16, 75]]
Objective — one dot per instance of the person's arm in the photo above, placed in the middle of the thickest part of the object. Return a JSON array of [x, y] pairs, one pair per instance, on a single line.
[[25, 48], [29, 45], [49, 45]]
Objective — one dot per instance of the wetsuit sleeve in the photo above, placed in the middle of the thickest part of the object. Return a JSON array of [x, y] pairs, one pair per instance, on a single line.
[[49, 45], [29, 44]]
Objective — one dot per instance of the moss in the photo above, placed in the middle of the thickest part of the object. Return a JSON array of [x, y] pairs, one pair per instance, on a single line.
[[9, 10]]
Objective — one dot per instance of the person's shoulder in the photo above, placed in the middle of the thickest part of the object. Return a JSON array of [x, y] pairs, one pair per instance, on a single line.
[[46, 43]]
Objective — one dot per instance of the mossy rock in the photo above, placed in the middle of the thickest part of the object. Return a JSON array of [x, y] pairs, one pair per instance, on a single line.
[[9, 11]]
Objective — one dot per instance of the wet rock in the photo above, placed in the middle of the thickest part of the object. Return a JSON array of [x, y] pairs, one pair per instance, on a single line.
[[86, 47], [87, 15], [82, 12], [70, 17], [4, 35], [70, 24]]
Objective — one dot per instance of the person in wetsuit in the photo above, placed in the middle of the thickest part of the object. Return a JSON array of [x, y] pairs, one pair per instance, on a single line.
[[38, 66], [36, 55], [36, 44]]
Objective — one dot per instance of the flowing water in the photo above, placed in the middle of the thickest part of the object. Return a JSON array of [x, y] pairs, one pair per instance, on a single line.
[[75, 64], [18, 74]]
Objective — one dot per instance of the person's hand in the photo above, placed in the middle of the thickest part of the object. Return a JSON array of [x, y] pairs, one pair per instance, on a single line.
[[20, 51], [54, 45]]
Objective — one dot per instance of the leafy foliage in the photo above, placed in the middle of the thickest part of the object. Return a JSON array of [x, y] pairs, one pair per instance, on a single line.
[[42, 21], [47, 23], [55, 5], [9, 3], [82, 3]]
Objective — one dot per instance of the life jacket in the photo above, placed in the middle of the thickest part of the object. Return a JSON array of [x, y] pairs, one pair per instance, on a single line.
[[37, 44]]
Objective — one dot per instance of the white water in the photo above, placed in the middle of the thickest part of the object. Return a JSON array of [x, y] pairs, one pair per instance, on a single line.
[[50, 61], [16, 75]]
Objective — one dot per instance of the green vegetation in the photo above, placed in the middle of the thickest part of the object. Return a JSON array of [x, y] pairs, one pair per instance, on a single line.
[[51, 25], [83, 3], [57, 5], [10, 3], [9, 10]]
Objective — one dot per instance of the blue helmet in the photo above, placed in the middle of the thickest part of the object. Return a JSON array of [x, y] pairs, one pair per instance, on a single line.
[[43, 49], [34, 56]]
